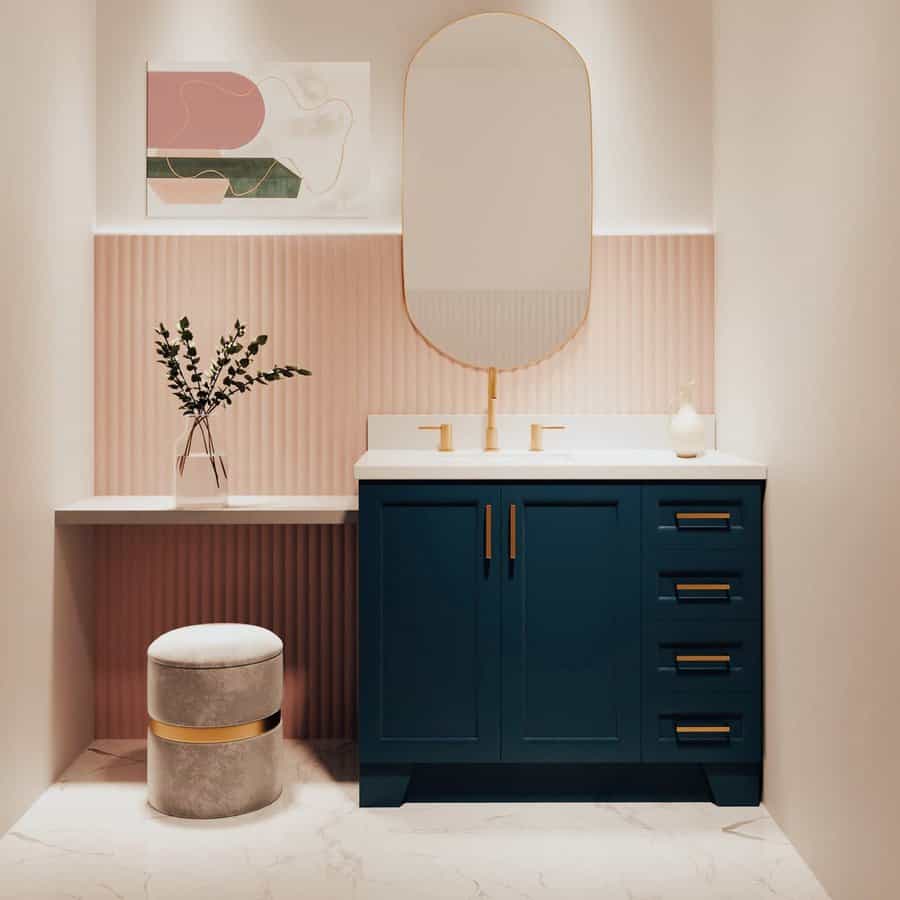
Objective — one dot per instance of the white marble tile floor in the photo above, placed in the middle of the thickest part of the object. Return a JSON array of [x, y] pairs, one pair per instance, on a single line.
[[92, 836]]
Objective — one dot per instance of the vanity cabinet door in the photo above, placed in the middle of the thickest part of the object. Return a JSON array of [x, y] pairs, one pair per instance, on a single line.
[[429, 623], [571, 623]]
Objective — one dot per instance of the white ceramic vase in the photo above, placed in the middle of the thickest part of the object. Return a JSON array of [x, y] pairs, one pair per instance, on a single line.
[[686, 427]]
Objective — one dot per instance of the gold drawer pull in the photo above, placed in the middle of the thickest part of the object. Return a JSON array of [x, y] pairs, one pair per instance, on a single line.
[[488, 515], [703, 729], [702, 587], [685, 516], [512, 531], [686, 658]]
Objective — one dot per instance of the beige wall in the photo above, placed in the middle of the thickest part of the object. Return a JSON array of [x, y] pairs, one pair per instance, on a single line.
[[808, 380], [650, 63], [47, 156]]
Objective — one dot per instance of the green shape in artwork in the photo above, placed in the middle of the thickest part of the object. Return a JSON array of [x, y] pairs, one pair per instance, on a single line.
[[247, 178]]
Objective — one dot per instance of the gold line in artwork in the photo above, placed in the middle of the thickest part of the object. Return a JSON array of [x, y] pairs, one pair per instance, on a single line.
[[223, 175], [300, 106]]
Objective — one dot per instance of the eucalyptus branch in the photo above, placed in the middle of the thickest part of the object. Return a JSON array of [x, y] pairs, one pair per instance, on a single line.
[[168, 354], [228, 347], [200, 394]]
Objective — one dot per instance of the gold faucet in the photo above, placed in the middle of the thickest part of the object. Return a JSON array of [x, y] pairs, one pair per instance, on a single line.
[[491, 436], [446, 430], [537, 435]]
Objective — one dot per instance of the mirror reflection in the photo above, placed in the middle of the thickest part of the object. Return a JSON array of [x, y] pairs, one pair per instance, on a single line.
[[497, 191]]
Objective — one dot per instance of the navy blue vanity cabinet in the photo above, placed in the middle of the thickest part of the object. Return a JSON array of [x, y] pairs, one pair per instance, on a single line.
[[571, 623], [702, 632], [514, 637], [429, 624]]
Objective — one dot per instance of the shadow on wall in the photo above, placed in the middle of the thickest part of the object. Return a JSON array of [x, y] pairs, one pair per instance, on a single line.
[[71, 708]]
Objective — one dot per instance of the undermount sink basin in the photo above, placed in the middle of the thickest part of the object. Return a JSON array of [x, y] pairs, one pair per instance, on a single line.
[[502, 457]]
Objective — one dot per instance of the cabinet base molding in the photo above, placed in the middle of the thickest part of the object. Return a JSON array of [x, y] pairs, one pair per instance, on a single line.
[[724, 785], [383, 785], [732, 785]]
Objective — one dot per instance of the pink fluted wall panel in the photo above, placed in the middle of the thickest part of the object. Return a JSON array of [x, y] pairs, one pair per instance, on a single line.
[[299, 581], [334, 304]]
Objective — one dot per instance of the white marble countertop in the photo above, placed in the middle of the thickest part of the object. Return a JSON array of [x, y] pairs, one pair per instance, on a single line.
[[551, 465], [241, 510]]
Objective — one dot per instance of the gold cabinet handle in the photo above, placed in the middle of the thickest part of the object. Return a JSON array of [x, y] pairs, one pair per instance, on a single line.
[[703, 729], [488, 528], [512, 531], [696, 658], [537, 435], [703, 587], [446, 430], [695, 516]]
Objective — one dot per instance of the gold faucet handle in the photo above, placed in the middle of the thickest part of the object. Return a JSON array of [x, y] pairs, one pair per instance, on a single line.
[[537, 435], [446, 444]]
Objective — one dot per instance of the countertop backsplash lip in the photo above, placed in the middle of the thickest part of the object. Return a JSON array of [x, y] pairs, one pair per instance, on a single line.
[[583, 431], [334, 304]]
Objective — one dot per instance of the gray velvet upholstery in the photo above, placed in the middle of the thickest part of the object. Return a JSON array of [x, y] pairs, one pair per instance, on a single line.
[[226, 778], [209, 698], [211, 781], [215, 645]]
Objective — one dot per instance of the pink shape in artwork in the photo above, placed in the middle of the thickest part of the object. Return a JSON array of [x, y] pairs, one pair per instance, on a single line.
[[189, 190], [210, 110]]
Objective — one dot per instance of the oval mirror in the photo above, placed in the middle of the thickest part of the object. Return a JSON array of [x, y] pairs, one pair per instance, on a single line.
[[497, 191]]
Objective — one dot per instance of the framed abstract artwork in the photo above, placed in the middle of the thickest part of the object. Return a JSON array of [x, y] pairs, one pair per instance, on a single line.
[[258, 140]]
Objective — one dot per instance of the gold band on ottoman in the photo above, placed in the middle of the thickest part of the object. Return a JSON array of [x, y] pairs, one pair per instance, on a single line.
[[188, 735]]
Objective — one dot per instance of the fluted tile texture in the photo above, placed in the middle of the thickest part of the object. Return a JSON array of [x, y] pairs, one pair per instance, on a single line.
[[298, 581], [334, 304]]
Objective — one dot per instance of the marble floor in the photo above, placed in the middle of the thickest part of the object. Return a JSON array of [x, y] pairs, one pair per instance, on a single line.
[[92, 836]]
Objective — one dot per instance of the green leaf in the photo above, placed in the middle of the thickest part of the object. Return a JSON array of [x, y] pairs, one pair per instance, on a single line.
[[183, 322], [261, 339]]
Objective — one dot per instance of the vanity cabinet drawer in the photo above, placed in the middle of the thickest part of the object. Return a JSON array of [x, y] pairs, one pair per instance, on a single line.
[[723, 515], [720, 728], [701, 658], [706, 586]]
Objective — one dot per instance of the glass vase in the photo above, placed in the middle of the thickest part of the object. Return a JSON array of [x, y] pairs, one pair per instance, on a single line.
[[200, 472]]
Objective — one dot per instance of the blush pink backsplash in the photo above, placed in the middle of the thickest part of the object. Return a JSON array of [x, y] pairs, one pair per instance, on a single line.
[[334, 304]]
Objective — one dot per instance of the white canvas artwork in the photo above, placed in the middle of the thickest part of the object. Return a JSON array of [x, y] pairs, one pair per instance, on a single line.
[[258, 140]]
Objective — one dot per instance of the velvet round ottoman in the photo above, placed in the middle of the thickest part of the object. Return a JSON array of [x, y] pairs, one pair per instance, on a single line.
[[214, 700]]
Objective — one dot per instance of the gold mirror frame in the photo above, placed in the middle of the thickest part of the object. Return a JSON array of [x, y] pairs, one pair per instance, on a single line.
[[587, 308]]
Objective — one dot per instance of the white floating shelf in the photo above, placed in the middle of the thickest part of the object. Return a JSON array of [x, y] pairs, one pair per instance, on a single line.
[[241, 510]]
